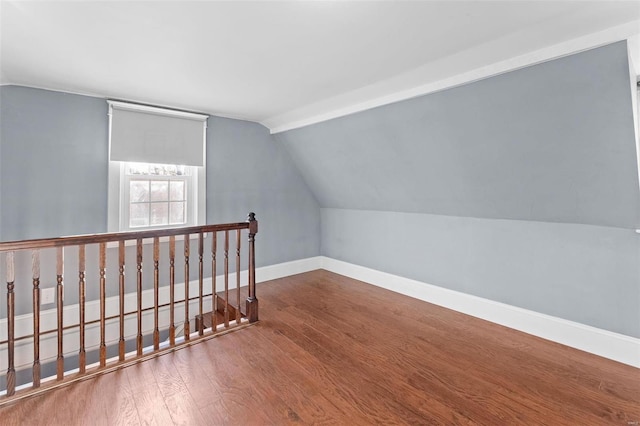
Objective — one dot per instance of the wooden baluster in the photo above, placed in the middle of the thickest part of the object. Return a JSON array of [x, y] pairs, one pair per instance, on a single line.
[[139, 294], [121, 292], [156, 290], [11, 371], [172, 296], [226, 278], [35, 269], [60, 311], [103, 296], [238, 313], [82, 355], [214, 295], [200, 283], [252, 300], [187, 330]]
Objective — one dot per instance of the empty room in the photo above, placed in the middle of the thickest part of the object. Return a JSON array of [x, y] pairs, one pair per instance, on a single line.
[[319, 212]]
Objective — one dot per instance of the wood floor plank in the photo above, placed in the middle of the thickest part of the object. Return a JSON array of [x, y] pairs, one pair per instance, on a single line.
[[203, 390], [297, 398], [519, 372], [236, 388], [312, 380], [148, 399], [354, 384], [346, 334], [357, 332], [175, 392], [331, 350]]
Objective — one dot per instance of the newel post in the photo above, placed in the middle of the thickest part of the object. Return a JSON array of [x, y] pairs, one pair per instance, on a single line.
[[252, 300]]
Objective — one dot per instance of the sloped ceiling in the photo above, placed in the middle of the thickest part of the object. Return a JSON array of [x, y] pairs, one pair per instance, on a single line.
[[551, 142], [287, 63]]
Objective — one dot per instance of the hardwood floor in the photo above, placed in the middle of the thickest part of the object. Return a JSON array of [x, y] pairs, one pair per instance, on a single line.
[[331, 350]]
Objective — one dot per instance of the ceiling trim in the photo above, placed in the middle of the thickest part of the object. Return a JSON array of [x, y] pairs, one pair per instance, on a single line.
[[315, 114]]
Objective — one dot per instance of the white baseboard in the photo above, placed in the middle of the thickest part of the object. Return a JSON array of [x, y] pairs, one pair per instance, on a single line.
[[617, 347], [267, 273]]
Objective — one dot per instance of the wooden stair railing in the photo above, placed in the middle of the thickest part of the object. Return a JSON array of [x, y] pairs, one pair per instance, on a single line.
[[24, 267], [225, 312]]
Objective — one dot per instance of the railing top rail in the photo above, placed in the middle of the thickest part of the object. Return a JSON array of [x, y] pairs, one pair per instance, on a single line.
[[116, 236]]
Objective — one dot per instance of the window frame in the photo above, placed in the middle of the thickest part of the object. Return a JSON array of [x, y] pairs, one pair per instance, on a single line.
[[190, 198], [118, 217]]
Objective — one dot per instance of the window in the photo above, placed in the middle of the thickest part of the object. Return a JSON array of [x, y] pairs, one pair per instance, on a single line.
[[150, 196], [157, 195], [147, 191]]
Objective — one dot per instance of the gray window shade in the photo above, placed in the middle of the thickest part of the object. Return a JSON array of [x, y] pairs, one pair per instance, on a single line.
[[156, 135]]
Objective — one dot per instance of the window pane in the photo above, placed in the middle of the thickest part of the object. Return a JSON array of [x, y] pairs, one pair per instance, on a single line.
[[177, 213], [138, 191], [159, 190], [177, 191], [159, 214], [138, 215]]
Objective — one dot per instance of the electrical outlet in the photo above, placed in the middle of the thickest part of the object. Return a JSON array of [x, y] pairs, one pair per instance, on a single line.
[[47, 295]]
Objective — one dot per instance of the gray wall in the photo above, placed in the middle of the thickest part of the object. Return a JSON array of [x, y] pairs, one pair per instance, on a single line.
[[521, 188], [53, 168], [583, 273], [247, 171], [552, 142]]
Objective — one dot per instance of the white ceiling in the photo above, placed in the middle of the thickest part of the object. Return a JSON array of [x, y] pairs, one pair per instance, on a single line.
[[289, 63]]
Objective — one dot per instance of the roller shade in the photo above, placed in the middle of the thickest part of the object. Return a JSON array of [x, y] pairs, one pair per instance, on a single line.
[[156, 135]]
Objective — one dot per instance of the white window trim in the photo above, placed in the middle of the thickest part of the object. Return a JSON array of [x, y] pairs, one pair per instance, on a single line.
[[116, 192], [191, 197]]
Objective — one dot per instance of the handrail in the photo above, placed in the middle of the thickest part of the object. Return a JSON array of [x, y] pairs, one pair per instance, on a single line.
[[80, 330], [110, 237]]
